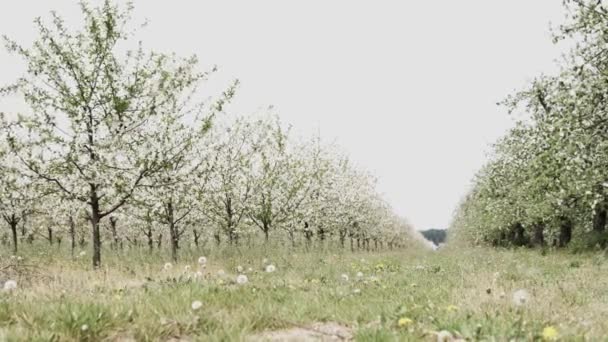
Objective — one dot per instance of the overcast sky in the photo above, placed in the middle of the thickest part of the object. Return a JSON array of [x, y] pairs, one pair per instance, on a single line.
[[407, 88]]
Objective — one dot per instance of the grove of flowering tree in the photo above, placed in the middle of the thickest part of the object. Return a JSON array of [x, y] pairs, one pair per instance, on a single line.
[[116, 138], [547, 183]]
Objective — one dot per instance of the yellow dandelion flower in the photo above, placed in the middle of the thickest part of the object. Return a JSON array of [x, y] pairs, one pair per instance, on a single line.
[[404, 322], [451, 308], [550, 333]]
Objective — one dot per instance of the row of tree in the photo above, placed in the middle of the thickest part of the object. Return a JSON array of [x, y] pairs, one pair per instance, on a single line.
[[547, 183], [116, 137]]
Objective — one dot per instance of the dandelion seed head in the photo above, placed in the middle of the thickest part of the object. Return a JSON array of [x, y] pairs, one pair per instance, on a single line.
[[359, 274], [239, 269], [521, 297], [10, 285], [202, 261], [344, 277], [241, 279], [197, 304], [444, 336], [84, 327], [270, 268], [167, 266]]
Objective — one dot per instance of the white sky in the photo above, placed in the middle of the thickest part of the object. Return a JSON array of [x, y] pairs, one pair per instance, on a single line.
[[407, 88]]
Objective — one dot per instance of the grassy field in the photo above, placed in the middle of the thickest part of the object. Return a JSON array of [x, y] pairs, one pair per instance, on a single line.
[[398, 296]]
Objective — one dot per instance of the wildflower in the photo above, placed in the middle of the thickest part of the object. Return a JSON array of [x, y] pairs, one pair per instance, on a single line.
[[270, 268], [187, 268], [202, 261], [241, 279], [239, 269], [84, 327], [404, 322], [264, 261], [167, 266], [197, 304], [520, 297], [550, 333], [344, 277], [359, 274], [444, 336], [250, 269], [451, 308], [10, 285]]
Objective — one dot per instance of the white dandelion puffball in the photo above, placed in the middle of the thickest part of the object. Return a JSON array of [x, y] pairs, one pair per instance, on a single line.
[[187, 268], [202, 261], [239, 269], [521, 297], [242, 279], [270, 268], [84, 327], [359, 274], [9, 285], [444, 336], [197, 304], [264, 261], [344, 277], [167, 266]]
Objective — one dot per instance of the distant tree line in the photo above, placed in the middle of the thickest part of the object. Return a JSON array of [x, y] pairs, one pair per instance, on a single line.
[[436, 236]]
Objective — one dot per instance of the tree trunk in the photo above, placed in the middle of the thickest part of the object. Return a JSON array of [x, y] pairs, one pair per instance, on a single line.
[[599, 219], [539, 235], [565, 232], [292, 237], [196, 237], [95, 217], [519, 238], [266, 229], [115, 239], [13, 221], [72, 235], [173, 233], [50, 235]]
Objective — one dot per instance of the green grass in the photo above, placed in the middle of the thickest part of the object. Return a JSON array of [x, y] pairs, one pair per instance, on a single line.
[[468, 293]]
